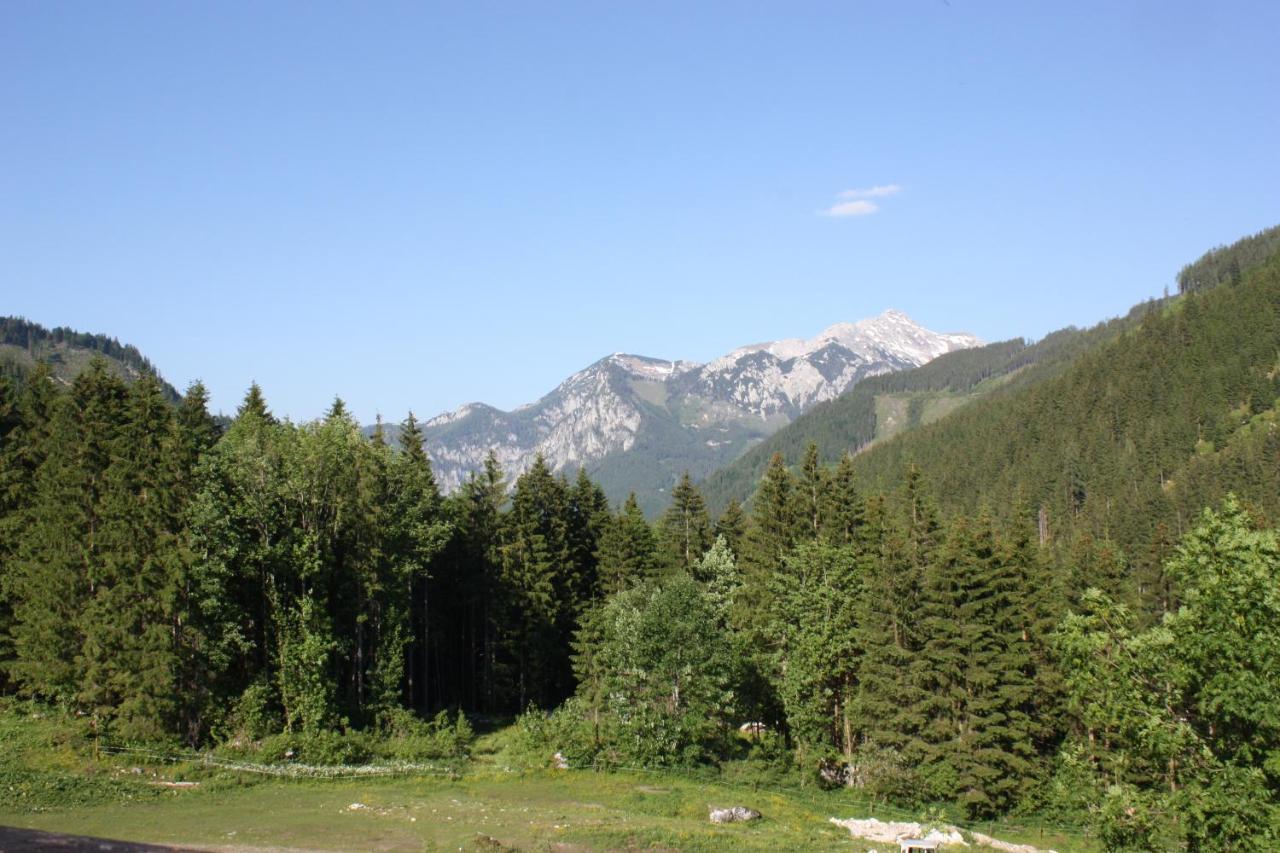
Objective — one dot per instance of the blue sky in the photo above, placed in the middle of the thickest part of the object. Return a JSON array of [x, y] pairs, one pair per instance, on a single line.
[[415, 206]]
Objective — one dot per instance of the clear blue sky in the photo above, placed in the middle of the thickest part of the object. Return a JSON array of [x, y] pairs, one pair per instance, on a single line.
[[415, 206]]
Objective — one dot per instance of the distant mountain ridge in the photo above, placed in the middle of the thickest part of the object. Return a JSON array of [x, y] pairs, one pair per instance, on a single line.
[[635, 423]]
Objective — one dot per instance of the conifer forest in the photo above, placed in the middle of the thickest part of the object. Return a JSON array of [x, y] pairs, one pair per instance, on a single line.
[[1062, 599]]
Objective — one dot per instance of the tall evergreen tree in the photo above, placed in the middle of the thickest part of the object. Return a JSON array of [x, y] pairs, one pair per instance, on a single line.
[[628, 551], [976, 666], [813, 496], [732, 525], [128, 664], [418, 533], [588, 516], [539, 571], [895, 553], [685, 528], [58, 565]]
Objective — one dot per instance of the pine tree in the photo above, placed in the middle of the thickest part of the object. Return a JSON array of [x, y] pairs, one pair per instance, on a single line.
[[628, 552], [538, 570], [24, 425], [976, 665], [127, 668], [685, 528], [417, 535], [732, 525], [588, 516], [488, 603], [58, 564], [894, 553], [813, 496], [847, 508], [198, 638], [11, 503], [770, 536], [255, 404], [244, 567]]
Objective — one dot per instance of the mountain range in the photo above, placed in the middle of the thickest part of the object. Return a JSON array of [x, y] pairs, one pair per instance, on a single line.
[[636, 423]]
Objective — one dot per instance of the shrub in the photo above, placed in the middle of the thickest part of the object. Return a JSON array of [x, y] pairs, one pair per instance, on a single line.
[[319, 748], [411, 738]]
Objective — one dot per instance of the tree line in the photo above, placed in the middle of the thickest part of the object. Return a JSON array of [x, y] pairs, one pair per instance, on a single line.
[[177, 581]]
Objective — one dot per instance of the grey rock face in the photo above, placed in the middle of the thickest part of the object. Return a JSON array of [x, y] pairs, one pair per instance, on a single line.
[[635, 422]]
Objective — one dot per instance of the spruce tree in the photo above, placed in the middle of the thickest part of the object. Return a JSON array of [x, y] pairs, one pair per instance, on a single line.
[[255, 404], [846, 509], [58, 563], [685, 528], [538, 569], [732, 525], [976, 668], [894, 550], [813, 496], [628, 552], [417, 534], [128, 665], [588, 516], [490, 605], [770, 536]]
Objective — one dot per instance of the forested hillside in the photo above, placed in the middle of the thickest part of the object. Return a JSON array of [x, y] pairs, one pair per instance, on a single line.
[[1061, 599], [1136, 437], [881, 406], [66, 352], [1227, 264]]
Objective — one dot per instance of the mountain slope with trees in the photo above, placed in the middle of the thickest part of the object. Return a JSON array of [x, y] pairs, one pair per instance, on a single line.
[[636, 424], [66, 352], [1060, 599], [1137, 435], [854, 421]]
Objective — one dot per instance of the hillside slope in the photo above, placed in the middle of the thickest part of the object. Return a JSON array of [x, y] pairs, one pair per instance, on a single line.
[[24, 344], [1139, 432], [884, 406]]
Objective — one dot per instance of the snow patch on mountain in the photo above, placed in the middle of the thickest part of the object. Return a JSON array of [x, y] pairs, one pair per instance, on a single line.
[[607, 408]]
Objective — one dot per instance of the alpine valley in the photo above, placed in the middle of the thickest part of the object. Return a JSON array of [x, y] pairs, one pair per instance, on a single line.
[[636, 423]]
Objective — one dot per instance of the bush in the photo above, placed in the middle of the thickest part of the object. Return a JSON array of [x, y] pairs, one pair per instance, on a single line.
[[411, 738], [882, 772], [253, 716], [319, 748], [539, 735], [1133, 820]]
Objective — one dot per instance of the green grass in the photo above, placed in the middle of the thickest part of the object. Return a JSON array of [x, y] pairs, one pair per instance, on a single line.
[[50, 780]]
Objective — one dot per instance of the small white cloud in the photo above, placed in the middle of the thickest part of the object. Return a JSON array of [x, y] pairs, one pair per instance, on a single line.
[[858, 203], [882, 191], [861, 207]]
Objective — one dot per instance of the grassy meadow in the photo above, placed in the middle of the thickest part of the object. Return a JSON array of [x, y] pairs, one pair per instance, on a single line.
[[53, 779]]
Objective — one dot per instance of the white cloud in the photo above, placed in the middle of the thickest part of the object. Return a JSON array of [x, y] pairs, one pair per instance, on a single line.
[[858, 203], [861, 207], [882, 191]]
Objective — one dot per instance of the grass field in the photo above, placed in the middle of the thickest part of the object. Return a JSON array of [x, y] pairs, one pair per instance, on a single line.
[[48, 782]]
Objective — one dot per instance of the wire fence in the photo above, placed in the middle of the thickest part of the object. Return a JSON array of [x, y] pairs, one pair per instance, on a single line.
[[290, 770], [818, 801], [848, 798]]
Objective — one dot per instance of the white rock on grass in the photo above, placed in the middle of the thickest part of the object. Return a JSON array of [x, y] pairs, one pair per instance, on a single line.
[[888, 832], [735, 814], [1006, 846]]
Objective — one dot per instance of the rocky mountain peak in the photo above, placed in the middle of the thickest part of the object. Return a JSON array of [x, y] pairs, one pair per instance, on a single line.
[[678, 415]]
